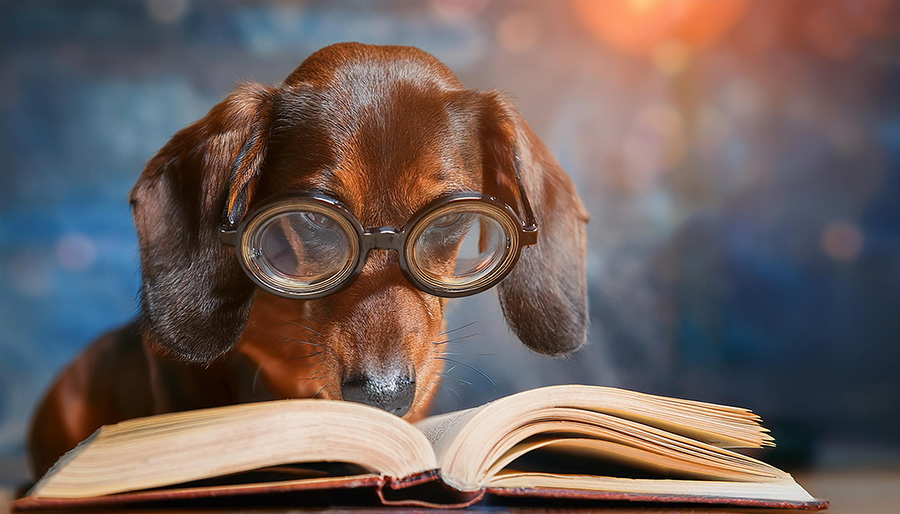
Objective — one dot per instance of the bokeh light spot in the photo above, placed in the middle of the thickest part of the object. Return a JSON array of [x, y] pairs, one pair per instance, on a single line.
[[636, 27], [713, 128], [878, 18], [456, 10], [848, 138], [75, 252], [830, 35], [743, 97], [670, 56], [167, 11], [842, 241], [29, 271], [653, 144], [518, 32]]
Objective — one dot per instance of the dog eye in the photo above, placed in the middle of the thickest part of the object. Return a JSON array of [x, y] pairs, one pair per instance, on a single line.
[[447, 221], [444, 234], [460, 248], [319, 220]]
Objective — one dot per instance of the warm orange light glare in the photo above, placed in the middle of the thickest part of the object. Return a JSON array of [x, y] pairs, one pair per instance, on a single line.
[[637, 27]]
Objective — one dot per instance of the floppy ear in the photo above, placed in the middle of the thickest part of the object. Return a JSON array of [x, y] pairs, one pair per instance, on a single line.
[[195, 297], [544, 298]]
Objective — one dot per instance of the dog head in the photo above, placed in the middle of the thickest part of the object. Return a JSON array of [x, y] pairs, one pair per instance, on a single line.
[[385, 130]]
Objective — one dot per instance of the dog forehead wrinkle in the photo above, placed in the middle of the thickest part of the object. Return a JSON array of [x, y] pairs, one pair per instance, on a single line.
[[391, 147], [394, 195], [390, 199]]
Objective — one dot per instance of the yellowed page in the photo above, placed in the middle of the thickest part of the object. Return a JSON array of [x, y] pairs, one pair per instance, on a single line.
[[611, 451], [442, 429], [182, 447], [785, 489], [467, 443], [560, 423]]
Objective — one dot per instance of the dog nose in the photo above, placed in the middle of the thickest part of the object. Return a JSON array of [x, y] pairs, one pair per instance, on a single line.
[[392, 393]]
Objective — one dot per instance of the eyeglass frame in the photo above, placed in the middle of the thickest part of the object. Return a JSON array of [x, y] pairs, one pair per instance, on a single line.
[[382, 238]]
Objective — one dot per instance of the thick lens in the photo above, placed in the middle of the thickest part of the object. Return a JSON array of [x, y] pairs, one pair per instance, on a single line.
[[301, 251], [462, 248]]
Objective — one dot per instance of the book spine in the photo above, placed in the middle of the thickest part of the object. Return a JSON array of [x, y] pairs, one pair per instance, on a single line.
[[411, 491]]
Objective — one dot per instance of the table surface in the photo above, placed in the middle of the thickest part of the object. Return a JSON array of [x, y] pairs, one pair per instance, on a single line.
[[862, 491]]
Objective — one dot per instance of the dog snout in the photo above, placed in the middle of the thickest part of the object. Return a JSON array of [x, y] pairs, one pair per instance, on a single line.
[[391, 392]]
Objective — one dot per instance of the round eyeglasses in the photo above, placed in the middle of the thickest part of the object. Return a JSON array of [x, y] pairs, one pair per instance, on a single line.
[[308, 245]]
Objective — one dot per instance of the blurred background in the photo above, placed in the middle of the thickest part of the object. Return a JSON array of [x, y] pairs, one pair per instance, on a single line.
[[740, 160]]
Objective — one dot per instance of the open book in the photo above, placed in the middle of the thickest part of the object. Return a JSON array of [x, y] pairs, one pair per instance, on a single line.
[[562, 442]]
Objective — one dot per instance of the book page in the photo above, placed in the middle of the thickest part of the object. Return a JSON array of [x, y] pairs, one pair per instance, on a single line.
[[587, 454], [780, 490], [178, 448], [440, 430], [468, 442]]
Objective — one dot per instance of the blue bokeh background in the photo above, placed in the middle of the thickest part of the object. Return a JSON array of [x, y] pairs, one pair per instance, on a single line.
[[744, 190]]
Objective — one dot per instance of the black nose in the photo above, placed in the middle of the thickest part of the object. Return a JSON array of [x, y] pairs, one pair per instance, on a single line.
[[393, 393]]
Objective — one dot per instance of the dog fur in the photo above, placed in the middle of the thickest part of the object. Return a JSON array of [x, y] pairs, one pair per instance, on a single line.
[[384, 129]]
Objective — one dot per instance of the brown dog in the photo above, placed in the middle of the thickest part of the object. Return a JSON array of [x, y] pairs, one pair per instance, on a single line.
[[384, 130]]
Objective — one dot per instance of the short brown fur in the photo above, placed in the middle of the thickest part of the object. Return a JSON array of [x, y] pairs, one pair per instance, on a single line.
[[385, 130]]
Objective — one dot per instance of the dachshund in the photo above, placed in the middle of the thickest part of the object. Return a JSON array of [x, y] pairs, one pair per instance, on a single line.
[[279, 259]]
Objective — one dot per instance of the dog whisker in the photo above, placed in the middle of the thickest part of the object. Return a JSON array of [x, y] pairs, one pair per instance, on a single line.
[[313, 377], [297, 341], [287, 322], [467, 325], [460, 338], [448, 375], [456, 378], [458, 397], [304, 356], [473, 368], [256, 378], [285, 338], [307, 365], [298, 324], [324, 348], [319, 391], [476, 354], [432, 396]]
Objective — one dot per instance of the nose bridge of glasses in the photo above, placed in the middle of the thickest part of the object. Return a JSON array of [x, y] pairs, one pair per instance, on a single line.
[[384, 238]]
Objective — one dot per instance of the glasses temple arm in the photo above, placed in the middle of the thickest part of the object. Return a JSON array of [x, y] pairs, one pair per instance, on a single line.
[[530, 230], [227, 228]]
